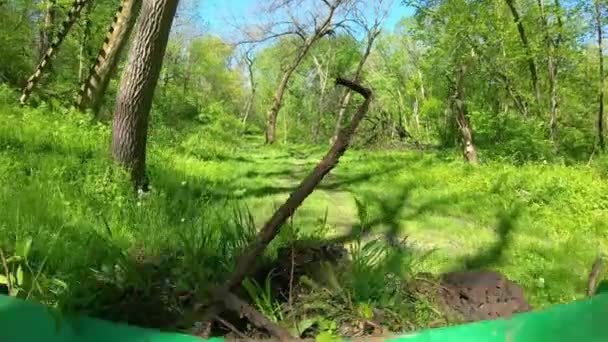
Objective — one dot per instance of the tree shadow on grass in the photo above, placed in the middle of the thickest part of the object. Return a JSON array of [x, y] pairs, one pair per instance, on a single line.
[[393, 211], [492, 255], [176, 184]]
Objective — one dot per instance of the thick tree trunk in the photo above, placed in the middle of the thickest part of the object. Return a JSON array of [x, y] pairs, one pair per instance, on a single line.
[[130, 125], [524, 41], [462, 116], [600, 45], [93, 90], [46, 33], [45, 62]]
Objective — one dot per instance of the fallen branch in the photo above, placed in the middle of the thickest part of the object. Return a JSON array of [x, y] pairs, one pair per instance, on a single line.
[[231, 327], [306, 187], [235, 304], [245, 263]]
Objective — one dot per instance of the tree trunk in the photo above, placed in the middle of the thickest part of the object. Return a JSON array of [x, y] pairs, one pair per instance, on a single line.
[[552, 47], [251, 102], [323, 77], [46, 33], [134, 100], [402, 111], [93, 90], [524, 41], [45, 62], [462, 116], [84, 38], [187, 72], [600, 45], [277, 102]]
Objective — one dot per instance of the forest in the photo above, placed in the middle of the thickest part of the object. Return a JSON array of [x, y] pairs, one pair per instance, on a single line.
[[317, 169]]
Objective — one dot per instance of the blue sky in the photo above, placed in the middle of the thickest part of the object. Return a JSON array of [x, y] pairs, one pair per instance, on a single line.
[[218, 13]]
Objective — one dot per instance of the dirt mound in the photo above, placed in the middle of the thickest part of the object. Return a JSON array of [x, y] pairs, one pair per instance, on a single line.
[[299, 259], [481, 295]]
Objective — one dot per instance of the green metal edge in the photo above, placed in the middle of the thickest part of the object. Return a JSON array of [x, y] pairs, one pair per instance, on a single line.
[[579, 321]]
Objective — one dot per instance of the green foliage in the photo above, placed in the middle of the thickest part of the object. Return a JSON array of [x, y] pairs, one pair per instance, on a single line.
[[506, 136], [375, 271], [198, 83], [189, 230], [16, 59], [263, 298], [22, 280], [217, 126]]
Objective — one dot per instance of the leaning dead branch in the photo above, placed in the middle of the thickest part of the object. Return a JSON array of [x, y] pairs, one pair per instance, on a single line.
[[306, 187], [247, 261]]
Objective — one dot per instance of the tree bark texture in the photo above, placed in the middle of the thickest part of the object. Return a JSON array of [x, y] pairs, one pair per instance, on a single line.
[[93, 90], [134, 100], [462, 116], [524, 41], [77, 7]]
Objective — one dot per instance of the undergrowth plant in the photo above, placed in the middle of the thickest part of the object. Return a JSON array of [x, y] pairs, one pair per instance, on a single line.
[[23, 279], [59, 187], [263, 298]]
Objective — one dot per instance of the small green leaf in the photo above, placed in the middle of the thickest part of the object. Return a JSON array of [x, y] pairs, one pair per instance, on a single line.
[[14, 259], [14, 292], [23, 248], [3, 280], [20, 275], [303, 325]]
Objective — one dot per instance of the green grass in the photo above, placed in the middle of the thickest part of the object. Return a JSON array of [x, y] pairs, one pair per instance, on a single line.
[[540, 224]]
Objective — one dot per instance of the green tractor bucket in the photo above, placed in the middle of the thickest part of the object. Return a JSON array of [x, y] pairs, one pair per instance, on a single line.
[[580, 321]]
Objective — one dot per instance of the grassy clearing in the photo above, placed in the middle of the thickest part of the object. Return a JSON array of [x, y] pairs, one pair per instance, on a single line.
[[540, 224]]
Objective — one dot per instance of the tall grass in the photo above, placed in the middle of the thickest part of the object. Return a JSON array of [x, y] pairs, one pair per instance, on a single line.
[[540, 223]]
